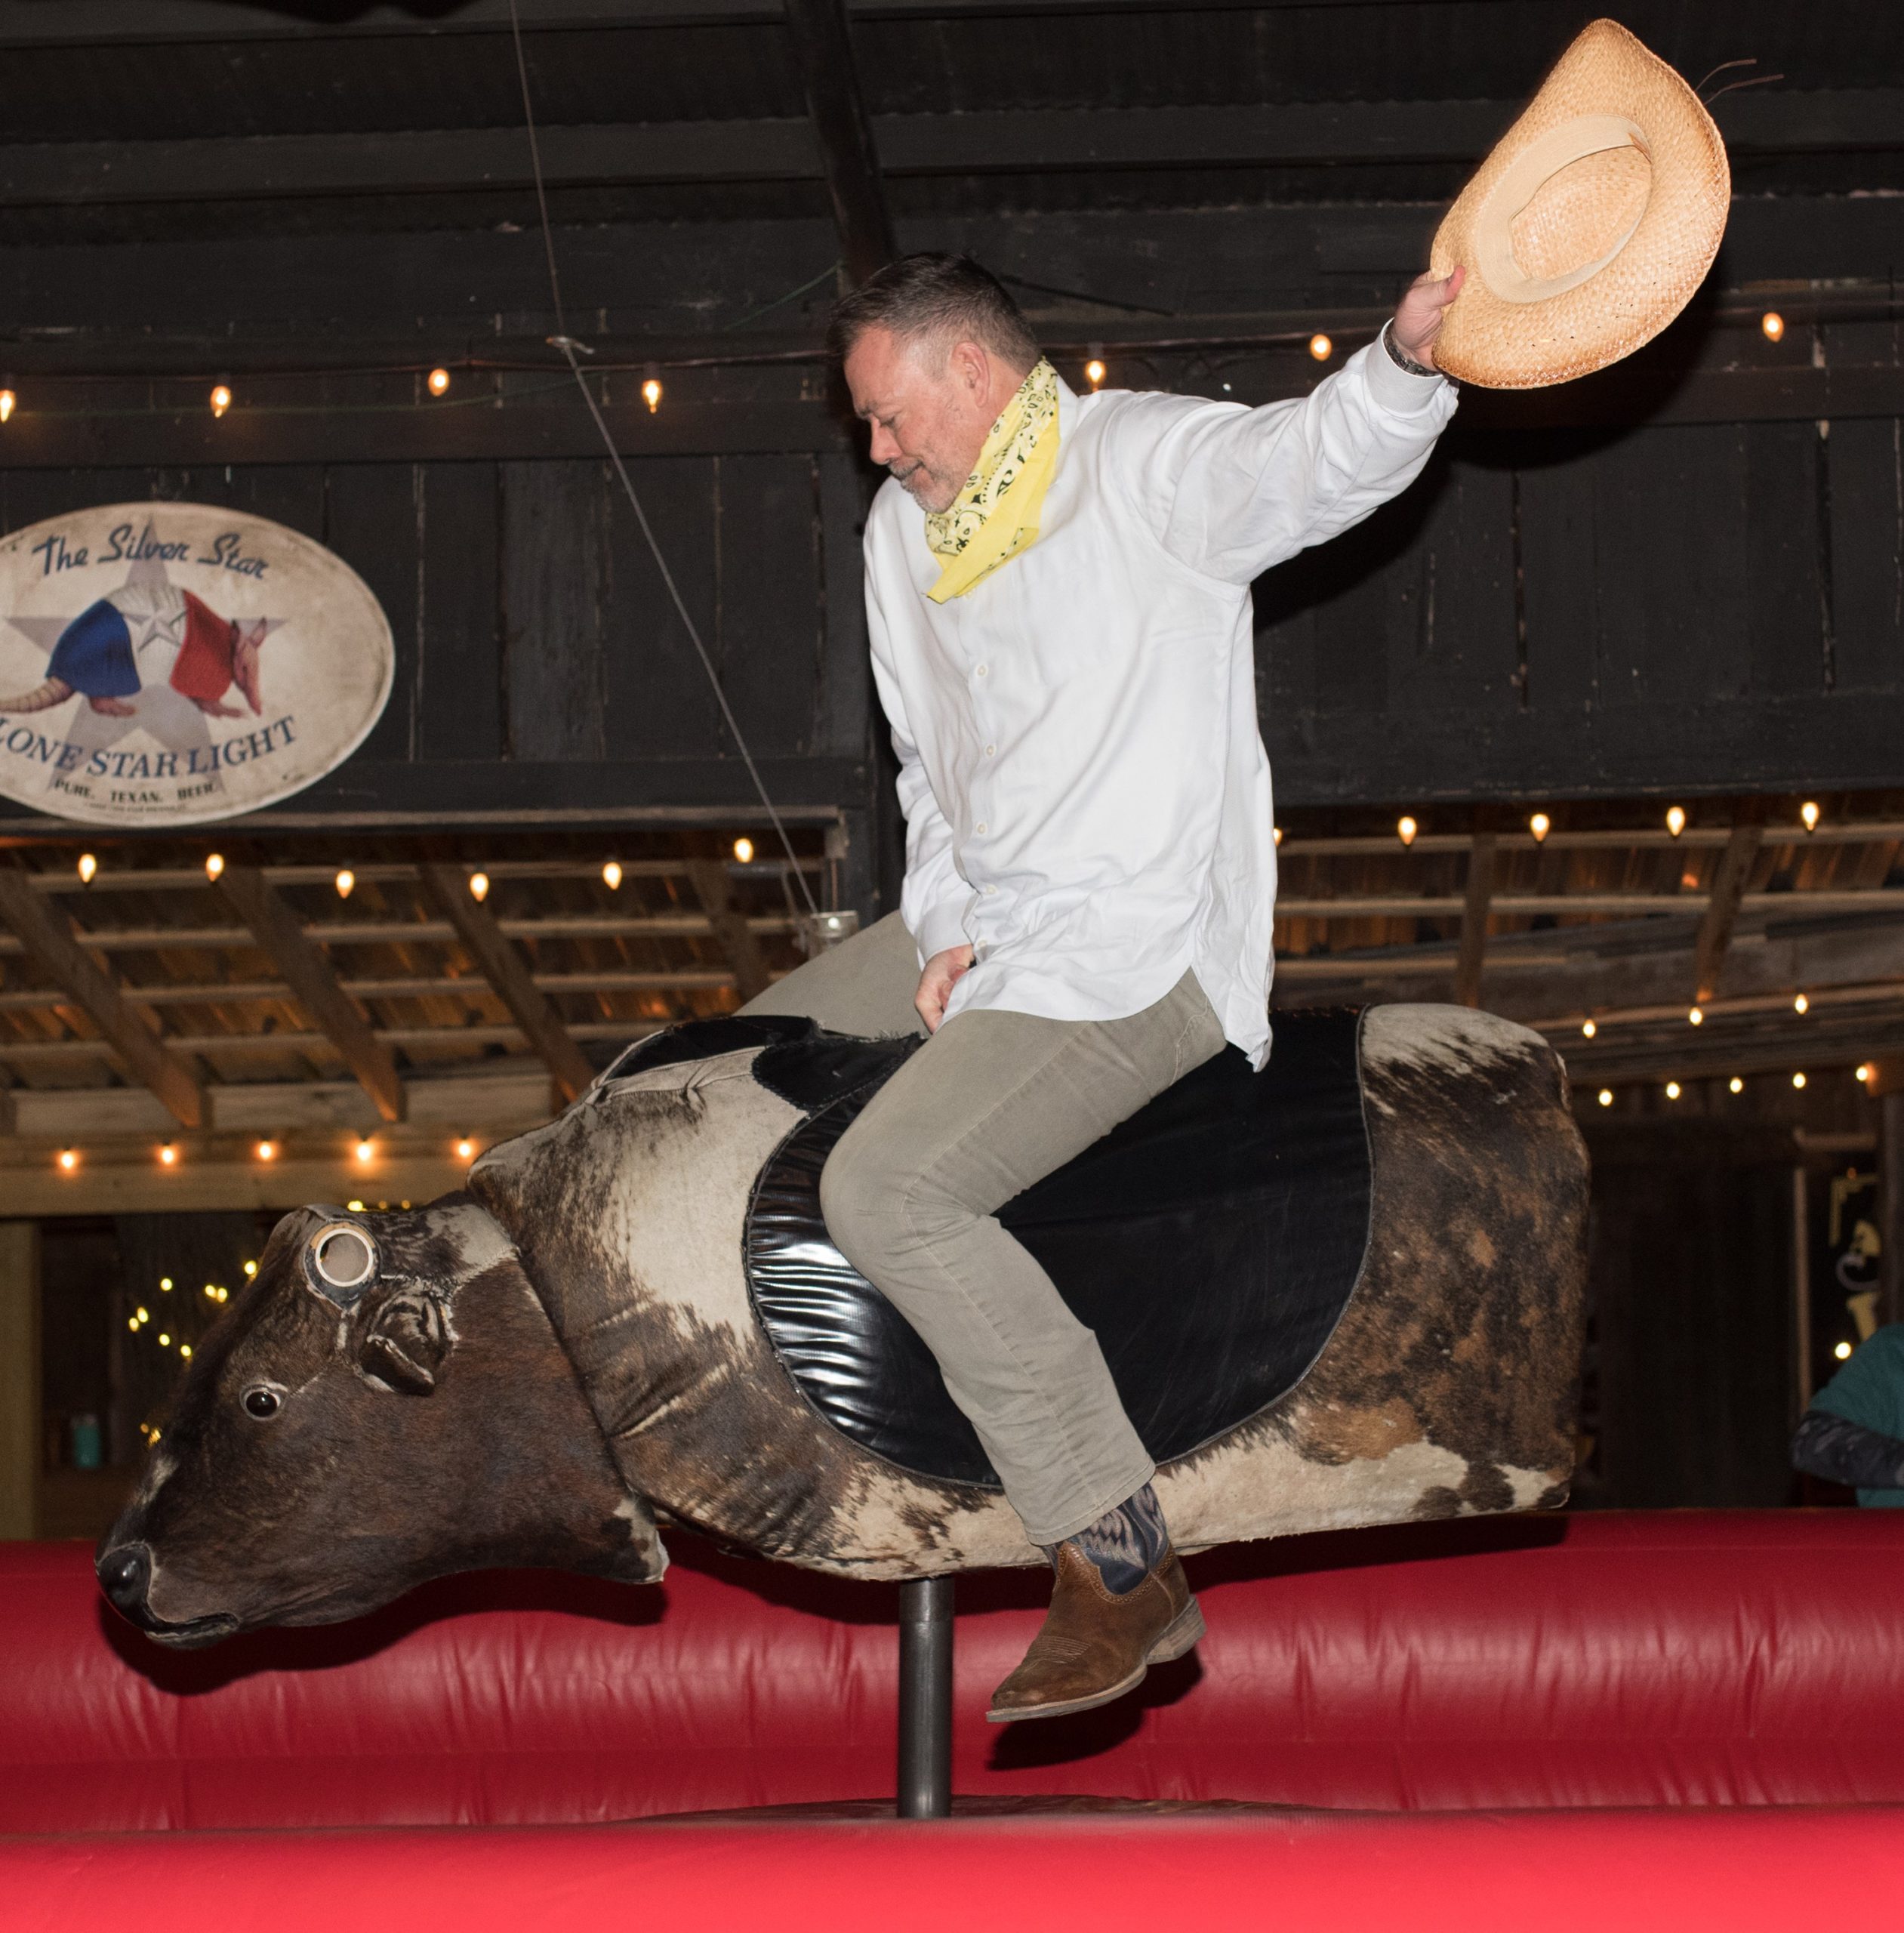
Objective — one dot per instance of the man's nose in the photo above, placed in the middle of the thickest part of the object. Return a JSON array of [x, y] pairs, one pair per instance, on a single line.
[[886, 446]]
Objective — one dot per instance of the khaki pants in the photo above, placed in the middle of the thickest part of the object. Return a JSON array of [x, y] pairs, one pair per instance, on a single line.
[[991, 1103]]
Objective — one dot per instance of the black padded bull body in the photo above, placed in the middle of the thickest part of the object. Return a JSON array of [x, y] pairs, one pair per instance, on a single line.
[[1347, 1291]]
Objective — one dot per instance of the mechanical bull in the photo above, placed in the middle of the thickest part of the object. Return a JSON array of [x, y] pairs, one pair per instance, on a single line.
[[1346, 1291]]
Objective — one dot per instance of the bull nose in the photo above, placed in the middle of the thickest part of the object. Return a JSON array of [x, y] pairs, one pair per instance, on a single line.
[[125, 1576]]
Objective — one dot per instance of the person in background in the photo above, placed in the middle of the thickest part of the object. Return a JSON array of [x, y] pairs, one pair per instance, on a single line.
[[1853, 1433]]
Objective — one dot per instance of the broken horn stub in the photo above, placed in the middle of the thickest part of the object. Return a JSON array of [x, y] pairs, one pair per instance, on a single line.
[[341, 1263], [1589, 227]]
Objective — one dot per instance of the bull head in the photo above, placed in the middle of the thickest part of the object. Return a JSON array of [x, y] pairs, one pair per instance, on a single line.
[[384, 1403]]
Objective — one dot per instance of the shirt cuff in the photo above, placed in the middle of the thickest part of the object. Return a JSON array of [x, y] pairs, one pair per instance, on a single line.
[[944, 926], [1394, 388]]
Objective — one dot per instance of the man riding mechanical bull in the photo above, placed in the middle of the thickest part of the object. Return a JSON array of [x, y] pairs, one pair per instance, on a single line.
[[1057, 594]]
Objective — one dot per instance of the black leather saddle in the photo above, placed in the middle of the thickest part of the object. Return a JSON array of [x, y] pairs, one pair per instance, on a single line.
[[1212, 1241]]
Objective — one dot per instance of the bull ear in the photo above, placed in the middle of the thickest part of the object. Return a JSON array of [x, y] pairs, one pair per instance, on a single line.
[[406, 1341]]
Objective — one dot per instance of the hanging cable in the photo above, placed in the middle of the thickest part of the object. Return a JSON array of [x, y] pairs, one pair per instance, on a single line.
[[568, 346]]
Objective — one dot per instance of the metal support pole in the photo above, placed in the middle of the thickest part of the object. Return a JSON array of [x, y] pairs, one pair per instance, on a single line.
[[925, 1698]]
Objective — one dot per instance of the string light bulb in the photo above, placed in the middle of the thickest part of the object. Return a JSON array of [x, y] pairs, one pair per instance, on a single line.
[[1771, 325], [1672, 1090], [87, 866], [185, 1351], [1675, 820], [168, 1155], [214, 864], [1797, 1080], [220, 399], [1808, 812], [1843, 1352], [1094, 371], [479, 887], [465, 1149], [142, 1315], [8, 403], [1406, 829], [211, 1291], [267, 1150], [1321, 347], [612, 876], [166, 1283], [132, 1323], [1696, 1016], [1866, 1073], [1540, 825], [1737, 1085], [164, 1340], [1606, 1097], [345, 879], [1276, 832], [1589, 1027], [1800, 1003], [251, 1268], [743, 850], [364, 1151], [651, 390], [439, 382], [68, 1159]]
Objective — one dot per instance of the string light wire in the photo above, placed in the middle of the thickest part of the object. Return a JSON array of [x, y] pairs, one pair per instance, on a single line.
[[568, 346]]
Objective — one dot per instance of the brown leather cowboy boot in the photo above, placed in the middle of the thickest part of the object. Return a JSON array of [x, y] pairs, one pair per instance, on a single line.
[[1097, 1644]]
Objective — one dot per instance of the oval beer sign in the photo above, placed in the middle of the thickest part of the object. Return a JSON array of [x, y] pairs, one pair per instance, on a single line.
[[161, 664]]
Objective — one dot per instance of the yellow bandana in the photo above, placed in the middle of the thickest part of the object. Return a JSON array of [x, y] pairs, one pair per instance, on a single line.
[[981, 531]]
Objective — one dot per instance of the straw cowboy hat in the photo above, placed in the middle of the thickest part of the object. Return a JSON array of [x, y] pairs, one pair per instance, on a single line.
[[1589, 227]]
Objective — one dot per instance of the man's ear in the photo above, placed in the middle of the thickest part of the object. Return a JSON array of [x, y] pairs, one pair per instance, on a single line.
[[971, 366], [406, 1341]]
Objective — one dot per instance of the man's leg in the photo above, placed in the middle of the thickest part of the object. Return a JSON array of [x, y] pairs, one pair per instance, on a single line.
[[992, 1103], [864, 985]]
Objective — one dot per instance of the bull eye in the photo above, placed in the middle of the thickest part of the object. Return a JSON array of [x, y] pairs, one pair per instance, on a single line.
[[262, 1401], [344, 1256]]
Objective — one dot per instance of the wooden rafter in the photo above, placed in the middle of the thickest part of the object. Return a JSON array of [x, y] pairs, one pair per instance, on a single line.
[[496, 959], [1722, 906], [823, 49], [313, 982], [1474, 913], [731, 932], [53, 944]]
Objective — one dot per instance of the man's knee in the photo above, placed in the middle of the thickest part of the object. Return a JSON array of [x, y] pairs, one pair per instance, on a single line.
[[876, 1202]]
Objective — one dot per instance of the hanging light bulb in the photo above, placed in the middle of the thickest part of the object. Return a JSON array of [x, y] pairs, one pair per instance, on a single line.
[[185, 1351], [1800, 1003], [211, 1291], [465, 1149], [1277, 833], [166, 1283], [1737, 1085], [1094, 371], [1772, 325], [132, 1323], [1842, 1351], [1808, 811], [142, 1315], [87, 866], [168, 1155], [214, 864], [651, 390], [164, 1339], [1672, 1090], [612, 877], [1866, 1072], [1606, 1097], [743, 850], [1540, 825], [1675, 820], [1406, 829], [1589, 1027], [1696, 1016], [267, 1150], [1321, 347], [251, 1268], [8, 403], [220, 399], [479, 887], [438, 381], [346, 879], [1797, 1080], [364, 1151], [68, 1159]]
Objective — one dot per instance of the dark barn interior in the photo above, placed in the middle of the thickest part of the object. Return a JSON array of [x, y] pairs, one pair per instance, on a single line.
[[1597, 727]]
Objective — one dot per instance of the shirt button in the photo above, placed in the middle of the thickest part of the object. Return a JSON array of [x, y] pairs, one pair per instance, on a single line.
[[990, 751], [982, 669], [990, 890], [980, 826]]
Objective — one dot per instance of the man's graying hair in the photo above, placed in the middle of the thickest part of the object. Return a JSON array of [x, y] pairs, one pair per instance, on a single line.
[[948, 298]]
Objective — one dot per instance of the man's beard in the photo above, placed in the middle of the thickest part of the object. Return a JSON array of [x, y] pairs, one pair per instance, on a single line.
[[931, 492]]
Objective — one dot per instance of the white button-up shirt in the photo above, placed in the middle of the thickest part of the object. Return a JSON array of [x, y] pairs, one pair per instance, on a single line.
[[1086, 794]]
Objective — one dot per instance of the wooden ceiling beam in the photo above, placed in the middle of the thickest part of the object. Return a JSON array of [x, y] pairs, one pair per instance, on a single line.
[[496, 958], [732, 934], [1474, 913], [1727, 893], [822, 43], [57, 947], [313, 984]]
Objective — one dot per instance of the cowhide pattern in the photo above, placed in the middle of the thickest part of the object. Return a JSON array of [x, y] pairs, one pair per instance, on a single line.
[[1449, 1386]]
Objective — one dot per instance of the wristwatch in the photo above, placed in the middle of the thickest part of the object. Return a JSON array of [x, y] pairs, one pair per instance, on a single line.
[[1401, 360]]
